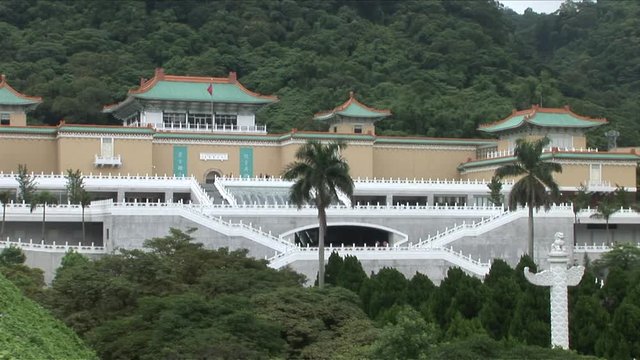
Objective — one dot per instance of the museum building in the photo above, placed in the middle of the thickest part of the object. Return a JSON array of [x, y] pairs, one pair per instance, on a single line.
[[195, 140]]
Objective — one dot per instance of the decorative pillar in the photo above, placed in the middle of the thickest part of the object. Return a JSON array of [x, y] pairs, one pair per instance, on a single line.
[[558, 277]]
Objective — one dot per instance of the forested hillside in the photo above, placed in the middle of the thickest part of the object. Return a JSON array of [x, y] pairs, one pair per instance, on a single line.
[[442, 67], [27, 331]]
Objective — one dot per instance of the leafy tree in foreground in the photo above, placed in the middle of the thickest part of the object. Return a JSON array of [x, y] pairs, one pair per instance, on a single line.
[[408, 337], [26, 184], [43, 199], [495, 191], [5, 197], [536, 176], [318, 173], [581, 200], [606, 208]]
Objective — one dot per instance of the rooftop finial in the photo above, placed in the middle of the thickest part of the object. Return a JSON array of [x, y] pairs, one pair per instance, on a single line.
[[351, 94], [233, 77], [2, 78]]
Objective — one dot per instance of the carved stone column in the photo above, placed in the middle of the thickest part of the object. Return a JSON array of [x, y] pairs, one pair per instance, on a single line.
[[558, 277]]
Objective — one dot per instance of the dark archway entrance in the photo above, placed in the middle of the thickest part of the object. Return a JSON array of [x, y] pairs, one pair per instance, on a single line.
[[347, 235], [211, 176]]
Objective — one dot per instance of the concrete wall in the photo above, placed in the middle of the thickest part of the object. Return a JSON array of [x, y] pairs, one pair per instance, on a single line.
[[415, 227], [509, 242], [129, 232]]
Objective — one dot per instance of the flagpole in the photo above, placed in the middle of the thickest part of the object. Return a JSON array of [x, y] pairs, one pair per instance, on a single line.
[[213, 120]]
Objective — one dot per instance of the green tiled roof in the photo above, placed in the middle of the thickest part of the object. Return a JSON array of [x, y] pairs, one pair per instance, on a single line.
[[550, 156], [197, 91], [28, 130], [107, 129], [353, 108], [8, 96], [544, 118], [430, 141]]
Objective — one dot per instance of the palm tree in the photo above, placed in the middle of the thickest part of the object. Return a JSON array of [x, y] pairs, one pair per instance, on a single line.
[[84, 199], [606, 208], [536, 177], [42, 198], [317, 173], [581, 199], [4, 199]]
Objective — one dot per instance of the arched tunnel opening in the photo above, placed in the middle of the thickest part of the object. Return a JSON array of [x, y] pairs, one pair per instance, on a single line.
[[346, 234]]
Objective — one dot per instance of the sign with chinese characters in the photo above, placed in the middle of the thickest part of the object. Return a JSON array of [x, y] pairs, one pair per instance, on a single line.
[[246, 162], [180, 161], [214, 156]]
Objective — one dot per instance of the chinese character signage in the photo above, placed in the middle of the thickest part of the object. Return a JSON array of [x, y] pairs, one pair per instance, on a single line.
[[246, 162], [180, 160]]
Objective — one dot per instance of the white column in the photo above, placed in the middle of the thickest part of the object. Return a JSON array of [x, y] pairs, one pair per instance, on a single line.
[[558, 277]]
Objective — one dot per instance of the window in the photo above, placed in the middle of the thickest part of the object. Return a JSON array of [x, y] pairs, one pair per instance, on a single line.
[[357, 129], [5, 119], [595, 174], [174, 120], [199, 120], [106, 148], [335, 129], [226, 119], [450, 200], [561, 141]]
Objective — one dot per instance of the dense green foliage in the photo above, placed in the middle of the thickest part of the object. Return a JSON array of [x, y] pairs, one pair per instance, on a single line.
[[177, 299], [443, 67], [27, 331]]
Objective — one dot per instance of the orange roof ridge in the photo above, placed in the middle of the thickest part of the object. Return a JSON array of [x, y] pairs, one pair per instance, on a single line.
[[531, 112], [352, 100], [5, 84], [231, 79]]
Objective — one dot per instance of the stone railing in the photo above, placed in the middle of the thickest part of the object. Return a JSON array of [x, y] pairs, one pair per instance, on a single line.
[[510, 153], [308, 253], [366, 180], [595, 248], [478, 228], [226, 195], [52, 247], [261, 129], [108, 160], [169, 182]]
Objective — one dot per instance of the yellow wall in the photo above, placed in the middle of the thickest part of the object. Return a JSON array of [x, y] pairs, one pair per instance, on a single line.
[[360, 160], [79, 153], [620, 175], [348, 128], [392, 162], [39, 155], [18, 119]]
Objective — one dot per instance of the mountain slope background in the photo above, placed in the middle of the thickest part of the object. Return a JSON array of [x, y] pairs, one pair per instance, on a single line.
[[442, 67]]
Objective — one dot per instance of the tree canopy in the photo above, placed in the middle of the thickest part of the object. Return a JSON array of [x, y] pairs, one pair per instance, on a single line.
[[443, 67]]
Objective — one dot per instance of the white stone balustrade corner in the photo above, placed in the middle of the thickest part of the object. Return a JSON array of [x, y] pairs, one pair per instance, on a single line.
[[52, 247]]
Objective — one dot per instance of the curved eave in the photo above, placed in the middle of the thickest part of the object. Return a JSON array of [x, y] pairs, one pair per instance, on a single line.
[[369, 113], [532, 122], [15, 97], [552, 156], [252, 102]]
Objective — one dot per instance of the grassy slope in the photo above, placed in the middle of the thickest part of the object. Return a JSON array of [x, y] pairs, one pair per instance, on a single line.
[[27, 331]]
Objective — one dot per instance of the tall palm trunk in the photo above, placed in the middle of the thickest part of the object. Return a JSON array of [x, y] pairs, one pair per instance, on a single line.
[[4, 212], [84, 240], [531, 200], [44, 211], [322, 230]]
